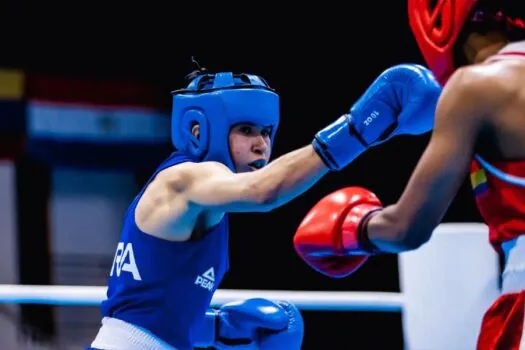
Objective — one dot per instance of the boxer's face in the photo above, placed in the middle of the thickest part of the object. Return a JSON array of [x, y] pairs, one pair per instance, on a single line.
[[250, 146]]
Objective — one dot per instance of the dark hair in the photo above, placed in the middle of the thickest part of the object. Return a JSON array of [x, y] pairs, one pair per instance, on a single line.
[[505, 16], [196, 72]]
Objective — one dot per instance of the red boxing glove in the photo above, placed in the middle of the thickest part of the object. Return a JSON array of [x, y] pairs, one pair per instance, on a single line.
[[330, 238]]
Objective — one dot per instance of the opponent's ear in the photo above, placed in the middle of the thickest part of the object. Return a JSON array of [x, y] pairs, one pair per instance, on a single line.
[[196, 130]]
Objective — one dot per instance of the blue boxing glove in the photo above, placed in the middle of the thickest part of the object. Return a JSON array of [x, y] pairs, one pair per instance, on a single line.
[[252, 324], [402, 100]]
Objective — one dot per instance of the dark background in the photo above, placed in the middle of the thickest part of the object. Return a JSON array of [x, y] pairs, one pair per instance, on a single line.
[[319, 57]]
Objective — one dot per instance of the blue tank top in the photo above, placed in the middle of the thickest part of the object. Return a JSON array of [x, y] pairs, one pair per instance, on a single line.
[[162, 286]]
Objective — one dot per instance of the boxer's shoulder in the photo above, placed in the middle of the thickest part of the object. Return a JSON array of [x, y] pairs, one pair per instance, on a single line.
[[474, 92], [185, 174], [168, 199], [492, 83]]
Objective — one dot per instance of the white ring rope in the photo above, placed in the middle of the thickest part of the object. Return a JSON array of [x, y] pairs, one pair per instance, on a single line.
[[305, 300]]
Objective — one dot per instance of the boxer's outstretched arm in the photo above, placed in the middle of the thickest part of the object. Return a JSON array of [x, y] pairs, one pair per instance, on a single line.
[[213, 185], [374, 118], [461, 114]]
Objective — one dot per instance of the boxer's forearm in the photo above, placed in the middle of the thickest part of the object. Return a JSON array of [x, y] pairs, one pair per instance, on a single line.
[[390, 233], [215, 187], [288, 176]]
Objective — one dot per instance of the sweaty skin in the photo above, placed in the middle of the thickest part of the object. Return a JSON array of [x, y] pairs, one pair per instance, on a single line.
[[481, 111], [187, 199]]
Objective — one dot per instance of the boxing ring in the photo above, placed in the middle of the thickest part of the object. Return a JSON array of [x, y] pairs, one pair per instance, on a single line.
[[445, 288], [316, 301]]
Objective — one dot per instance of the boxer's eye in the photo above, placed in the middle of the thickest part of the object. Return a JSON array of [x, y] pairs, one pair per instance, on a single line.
[[266, 132], [247, 130]]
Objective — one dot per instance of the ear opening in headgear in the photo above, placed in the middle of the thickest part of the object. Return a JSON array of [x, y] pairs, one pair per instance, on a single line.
[[192, 127], [196, 145]]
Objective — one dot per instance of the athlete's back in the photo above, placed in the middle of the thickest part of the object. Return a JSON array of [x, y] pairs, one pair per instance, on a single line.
[[501, 148], [162, 286]]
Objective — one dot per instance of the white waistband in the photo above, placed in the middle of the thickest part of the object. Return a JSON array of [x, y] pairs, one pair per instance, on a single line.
[[514, 273], [119, 335]]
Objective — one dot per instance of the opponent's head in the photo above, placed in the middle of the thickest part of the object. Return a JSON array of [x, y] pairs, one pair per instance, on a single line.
[[239, 110], [442, 26]]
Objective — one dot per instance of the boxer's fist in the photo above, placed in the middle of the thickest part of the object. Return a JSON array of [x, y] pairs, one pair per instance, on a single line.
[[329, 238], [401, 100], [252, 324], [290, 338], [411, 89]]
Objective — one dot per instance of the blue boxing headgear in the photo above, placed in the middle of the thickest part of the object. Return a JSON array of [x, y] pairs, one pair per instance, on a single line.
[[217, 102]]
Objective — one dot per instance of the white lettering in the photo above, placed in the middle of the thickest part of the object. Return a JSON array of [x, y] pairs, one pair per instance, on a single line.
[[204, 283], [125, 261], [370, 118]]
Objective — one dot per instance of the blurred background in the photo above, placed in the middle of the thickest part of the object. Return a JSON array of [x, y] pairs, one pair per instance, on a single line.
[[72, 75]]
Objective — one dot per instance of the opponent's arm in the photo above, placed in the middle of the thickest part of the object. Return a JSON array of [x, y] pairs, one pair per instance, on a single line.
[[347, 226], [460, 116]]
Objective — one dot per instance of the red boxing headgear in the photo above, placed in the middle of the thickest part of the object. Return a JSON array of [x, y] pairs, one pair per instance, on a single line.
[[436, 29]]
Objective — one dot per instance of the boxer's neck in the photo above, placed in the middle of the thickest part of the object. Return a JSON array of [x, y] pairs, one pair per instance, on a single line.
[[514, 50], [478, 47], [514, 47]]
